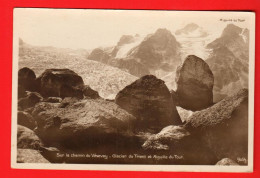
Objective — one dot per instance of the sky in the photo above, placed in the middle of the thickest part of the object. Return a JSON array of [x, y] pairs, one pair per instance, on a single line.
[[88, 29]]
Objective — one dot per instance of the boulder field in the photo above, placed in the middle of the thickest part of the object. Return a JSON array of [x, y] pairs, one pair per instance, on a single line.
[[61, 114]]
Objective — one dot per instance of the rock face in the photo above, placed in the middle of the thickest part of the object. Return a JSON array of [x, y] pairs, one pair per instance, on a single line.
[[157, 50], [229, 61], [27, 139], [224, 126], [30, 100], [149, 100], [30, 156], [59, 82], [26, 120], [194, 84], [226, 162], [86, 124]]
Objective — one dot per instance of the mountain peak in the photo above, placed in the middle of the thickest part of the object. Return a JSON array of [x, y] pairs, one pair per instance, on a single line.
[[193, 30], [163, 31], [125, 39], [231, 30]]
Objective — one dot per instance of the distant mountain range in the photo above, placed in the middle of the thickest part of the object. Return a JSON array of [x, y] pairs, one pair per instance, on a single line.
[[159, 54]]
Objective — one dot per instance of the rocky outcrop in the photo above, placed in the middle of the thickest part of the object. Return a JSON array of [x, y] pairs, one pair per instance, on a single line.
[[60, 83], [29, 101], [27, 139], [224, 126], [26, 120], [177, 141], [88, 124], [168, 136], [30, 156], [194, 84], [226, 162], [149, 100]]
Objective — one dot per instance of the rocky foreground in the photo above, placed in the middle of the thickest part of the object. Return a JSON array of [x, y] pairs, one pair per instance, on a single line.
[[62, 120]]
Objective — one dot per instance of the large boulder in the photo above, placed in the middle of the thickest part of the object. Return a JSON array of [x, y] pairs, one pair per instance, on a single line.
[[85, 124], [26, 120], [150, 101], [26, 79], [223, 127], [194, 84], [27, 139], [30, 99], [30, 156], [59, 83], [177, 142]]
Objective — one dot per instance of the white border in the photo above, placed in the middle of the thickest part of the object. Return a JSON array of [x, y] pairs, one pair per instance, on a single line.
[[127, 167]]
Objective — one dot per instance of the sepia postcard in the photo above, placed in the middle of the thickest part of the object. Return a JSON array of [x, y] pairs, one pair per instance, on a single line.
[[138, 90]]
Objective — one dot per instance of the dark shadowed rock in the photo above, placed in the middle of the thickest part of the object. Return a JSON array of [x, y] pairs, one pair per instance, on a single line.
[[177, 141], [149, 100], [59, 82], [226, 162], [27, 139], [194, 84], [26, 120], [30, 156], [29, 101], [26, 79], [69, 91], [131, 65], [86, 124], [223, 127], [89, 92]]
